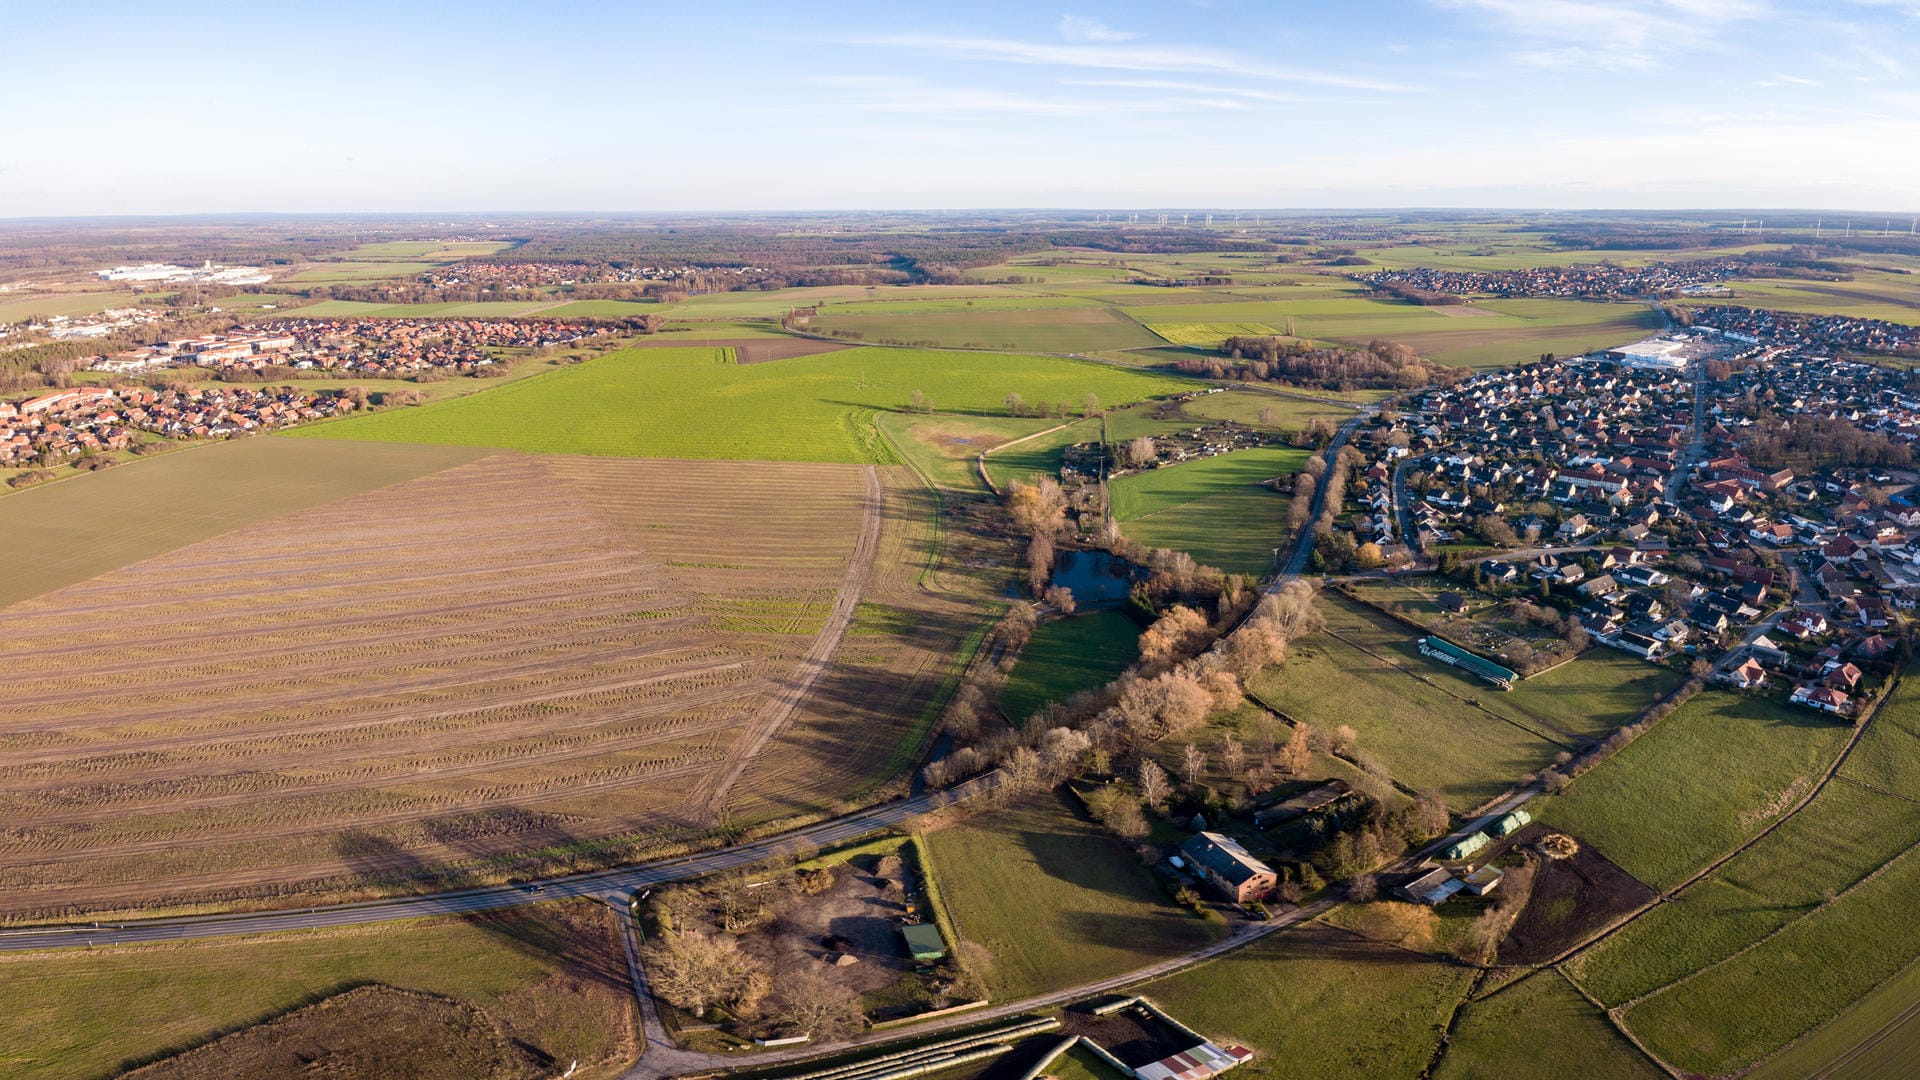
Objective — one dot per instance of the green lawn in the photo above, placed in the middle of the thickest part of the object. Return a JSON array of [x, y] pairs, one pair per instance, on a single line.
[[1235, 532], [1067, 656], [82, 1013], [1540, 1028], [1318, 1002], [697, 403], [1717, 771], [1414, 718], [1214, 509], [1056, 900], [1245, 406]]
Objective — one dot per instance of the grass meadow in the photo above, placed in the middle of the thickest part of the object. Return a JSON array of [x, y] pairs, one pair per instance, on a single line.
[[1540, 1029], [1066, 656], [1157, 491], [697, 403], [1714, 773], [1317, 1002], [1055, 900], [552, 974], [1415, 717]]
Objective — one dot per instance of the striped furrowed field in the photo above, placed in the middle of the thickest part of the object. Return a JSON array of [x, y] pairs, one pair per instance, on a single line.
[[517, 665]]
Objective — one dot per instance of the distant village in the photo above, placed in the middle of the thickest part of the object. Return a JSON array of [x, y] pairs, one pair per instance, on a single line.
[[372, 347], [62, 425]]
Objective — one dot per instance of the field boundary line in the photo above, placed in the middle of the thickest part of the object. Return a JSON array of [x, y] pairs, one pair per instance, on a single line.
[[1667, 895], [1879, 1034], [1615, 1021], [1470, 703], [1776, 931]]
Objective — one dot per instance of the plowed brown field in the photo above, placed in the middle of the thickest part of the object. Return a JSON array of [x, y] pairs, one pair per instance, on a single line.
[[515, 666]]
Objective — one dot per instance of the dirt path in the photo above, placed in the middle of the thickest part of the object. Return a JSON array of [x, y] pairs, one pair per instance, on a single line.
[[709, 797]]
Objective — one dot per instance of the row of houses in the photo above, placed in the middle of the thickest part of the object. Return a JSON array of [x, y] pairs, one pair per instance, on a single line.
[[64, 424]]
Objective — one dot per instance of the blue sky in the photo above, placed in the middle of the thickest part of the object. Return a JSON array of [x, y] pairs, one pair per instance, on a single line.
[[188, 108]]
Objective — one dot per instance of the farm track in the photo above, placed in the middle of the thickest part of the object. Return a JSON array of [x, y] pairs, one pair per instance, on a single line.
[[710, 795], [520, 636]]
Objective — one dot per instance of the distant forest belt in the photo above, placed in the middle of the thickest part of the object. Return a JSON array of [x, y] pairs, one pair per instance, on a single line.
[[75, 529], [557, 651]]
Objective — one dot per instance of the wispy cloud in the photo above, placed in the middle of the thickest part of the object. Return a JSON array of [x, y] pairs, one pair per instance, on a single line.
[[1183, 86], [892, 94], [1610, 33], [1084, 28], [1111, 57]]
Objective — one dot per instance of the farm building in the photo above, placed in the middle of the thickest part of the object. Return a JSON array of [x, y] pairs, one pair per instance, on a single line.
[[1196, 1064], [1304, 803], [1510, 824], [1448, 653], [1432, 887], [1465, 847], [924, 941], [1482, 881], [1229, 868]]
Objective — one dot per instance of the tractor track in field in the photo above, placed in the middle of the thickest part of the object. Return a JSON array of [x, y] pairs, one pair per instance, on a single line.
[[708, 797]]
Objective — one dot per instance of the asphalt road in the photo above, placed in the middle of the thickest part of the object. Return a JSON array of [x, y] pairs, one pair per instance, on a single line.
[[1303, 548], [601, 885]]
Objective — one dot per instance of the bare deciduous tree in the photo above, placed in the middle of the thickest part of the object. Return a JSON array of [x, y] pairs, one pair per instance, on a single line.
[[1154, 787]]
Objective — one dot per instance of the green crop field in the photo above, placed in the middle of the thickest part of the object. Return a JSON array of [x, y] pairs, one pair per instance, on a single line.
[[444, 251], [1729, 1016], [1318, 1002], [549, 974], [1069, 329], [962, 301], [64, 532], [1540, 1028], [1155, 491], [1413, 715], [1067, 656], [697, 403], [1888, 755], [1845, 834], [1208, 335], [1714, 773], [346, 271], [1870, 295], [1056, 900]]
